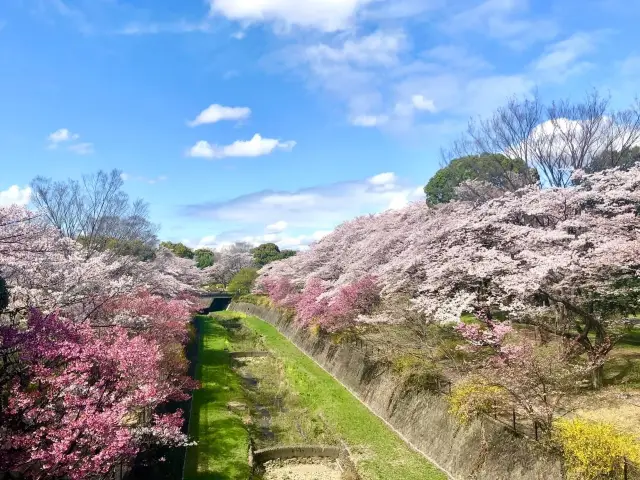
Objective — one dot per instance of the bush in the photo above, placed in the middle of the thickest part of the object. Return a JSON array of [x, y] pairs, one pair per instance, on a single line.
[[260, 300], [203, 257], [214, 287], [179, 249], [594, 450], [418, 374], [473, 398]]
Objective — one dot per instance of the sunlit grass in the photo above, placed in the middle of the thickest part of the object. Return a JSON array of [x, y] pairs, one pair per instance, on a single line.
[[382, 455], [223, 440]]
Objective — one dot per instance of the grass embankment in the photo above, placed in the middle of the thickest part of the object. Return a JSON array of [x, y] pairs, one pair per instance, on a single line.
[[379, 453], [223, 440]]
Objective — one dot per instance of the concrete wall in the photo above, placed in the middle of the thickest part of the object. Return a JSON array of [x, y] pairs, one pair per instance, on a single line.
[[483, 450], [295, 451], [249, 354]]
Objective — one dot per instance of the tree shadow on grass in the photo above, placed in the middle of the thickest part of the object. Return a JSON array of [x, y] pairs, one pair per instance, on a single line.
[[623, 369], [221, 453]]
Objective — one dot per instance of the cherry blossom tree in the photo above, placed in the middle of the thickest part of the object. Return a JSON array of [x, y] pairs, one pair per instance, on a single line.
[[50, 271], [229, 261], [563, 259], [73, 396], [316, 305], [104, 345], [536, 380]]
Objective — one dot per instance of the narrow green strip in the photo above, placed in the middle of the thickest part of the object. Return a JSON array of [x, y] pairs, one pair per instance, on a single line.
[[380, 453], [223, 440]]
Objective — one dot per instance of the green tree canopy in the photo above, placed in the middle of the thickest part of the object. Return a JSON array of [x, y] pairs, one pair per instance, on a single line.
[[242, 282], [134, 248], [495, 169], [203, 257], [179, 249], [269, 252]]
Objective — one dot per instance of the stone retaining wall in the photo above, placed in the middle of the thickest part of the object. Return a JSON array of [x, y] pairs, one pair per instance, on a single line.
[[249, 354], [482, 450], [296, 451]]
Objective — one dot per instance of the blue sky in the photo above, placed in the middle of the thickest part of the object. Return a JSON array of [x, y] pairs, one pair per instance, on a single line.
[[275, 120]]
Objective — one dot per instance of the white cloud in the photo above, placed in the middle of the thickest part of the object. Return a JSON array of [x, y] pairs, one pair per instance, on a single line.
[[457, 57], [301, 242], [399, 9], [158, 179], [84, 148], [557, 131], [277, 227], [15, 195], [631, 66], [255, 147], [65, 136], [419, 102], [385, 82], [284, 241], [456, 95], [60, 136], [216, 113], [202, 149], [290, 200], [402, 199], [206, 242], [369, 120], [379, 48], [324, 15], [509, 21], [353, 69], [239, 35], [182, 26], [383, 179], [318, 208], [151, 181], [565, 58]]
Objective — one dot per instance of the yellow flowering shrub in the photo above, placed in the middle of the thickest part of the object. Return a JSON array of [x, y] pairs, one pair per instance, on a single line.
[[594, 450], [472, 398]]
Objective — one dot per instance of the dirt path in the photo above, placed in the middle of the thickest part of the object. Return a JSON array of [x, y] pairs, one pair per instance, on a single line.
[[302, 469]]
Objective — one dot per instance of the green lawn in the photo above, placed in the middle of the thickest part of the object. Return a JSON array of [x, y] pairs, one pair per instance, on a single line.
[[380, 453], [223, 440]]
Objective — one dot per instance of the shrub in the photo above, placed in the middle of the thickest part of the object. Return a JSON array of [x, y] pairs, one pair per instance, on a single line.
[[473, 398], [178, 249], [203, 257], [594, 450], [428, 377], [405, 363], [418, 373], [260, 300]]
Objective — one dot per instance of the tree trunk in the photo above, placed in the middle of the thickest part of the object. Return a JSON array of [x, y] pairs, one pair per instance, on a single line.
[[597, 377]]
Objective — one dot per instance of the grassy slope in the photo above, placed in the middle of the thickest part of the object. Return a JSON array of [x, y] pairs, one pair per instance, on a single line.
[[383, 455], [223, 441]]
